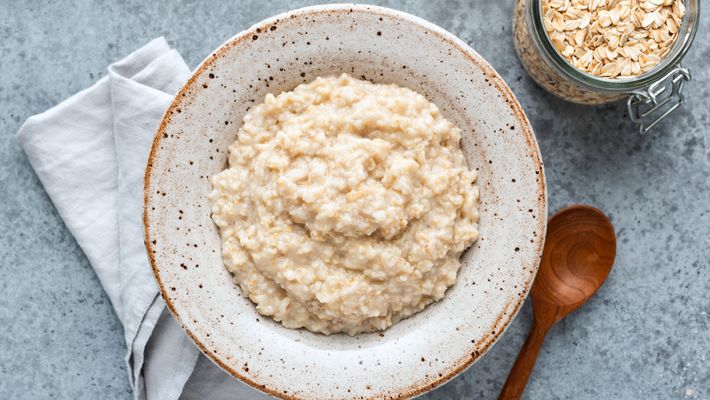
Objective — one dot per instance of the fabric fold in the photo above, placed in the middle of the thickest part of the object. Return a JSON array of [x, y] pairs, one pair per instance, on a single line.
[[134, 125], [139, 97], [90, 153]]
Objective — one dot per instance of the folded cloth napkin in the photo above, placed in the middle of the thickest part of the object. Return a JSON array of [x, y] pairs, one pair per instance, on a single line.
[[90, 153]]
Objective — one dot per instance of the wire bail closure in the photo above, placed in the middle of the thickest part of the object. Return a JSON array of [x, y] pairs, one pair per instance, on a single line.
[[662, 97]]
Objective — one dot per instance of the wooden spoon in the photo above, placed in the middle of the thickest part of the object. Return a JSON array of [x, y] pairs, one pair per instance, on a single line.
[[579, 251]]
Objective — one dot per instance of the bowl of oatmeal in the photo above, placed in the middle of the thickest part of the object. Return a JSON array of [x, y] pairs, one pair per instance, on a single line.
[[346, 195]]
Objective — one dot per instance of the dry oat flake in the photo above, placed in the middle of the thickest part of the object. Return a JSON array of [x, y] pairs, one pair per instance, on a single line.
[[613, 38]]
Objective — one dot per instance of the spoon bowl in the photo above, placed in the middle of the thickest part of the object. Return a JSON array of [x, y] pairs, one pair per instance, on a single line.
[[579, 253]]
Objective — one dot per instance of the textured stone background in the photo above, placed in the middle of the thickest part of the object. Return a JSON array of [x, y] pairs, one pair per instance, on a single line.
[[646, 335]]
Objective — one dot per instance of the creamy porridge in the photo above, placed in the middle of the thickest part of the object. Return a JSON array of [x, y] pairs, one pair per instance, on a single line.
[[346, 205]]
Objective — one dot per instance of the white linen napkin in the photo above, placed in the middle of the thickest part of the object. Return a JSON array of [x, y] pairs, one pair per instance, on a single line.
[[90, 153]]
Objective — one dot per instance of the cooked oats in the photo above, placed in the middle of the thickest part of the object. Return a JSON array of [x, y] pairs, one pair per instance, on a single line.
[[346, 205]]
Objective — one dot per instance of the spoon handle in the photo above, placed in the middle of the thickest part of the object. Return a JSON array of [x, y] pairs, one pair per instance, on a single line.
[[519, 374]]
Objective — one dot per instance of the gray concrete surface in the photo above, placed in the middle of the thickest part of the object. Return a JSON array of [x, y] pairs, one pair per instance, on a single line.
[[646, 335]]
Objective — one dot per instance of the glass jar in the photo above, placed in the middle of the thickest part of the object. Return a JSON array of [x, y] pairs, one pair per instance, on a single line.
[[651, 96]]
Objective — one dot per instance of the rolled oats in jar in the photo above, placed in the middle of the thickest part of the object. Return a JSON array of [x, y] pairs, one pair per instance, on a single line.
[[600, 51]]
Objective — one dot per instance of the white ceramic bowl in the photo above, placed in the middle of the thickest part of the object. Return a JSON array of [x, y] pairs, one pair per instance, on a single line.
[[384, 46]]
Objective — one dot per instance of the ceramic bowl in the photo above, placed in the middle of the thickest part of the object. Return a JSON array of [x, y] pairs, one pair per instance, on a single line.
[[383, 46]]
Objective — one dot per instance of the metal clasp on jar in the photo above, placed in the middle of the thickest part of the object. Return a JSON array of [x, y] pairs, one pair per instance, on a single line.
[[650, 106]]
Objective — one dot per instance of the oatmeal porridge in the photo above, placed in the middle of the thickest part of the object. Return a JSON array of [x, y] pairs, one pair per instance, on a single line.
[[346, 205]]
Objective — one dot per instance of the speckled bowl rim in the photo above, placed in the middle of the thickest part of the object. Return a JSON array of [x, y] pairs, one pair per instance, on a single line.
[[503, 320]]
